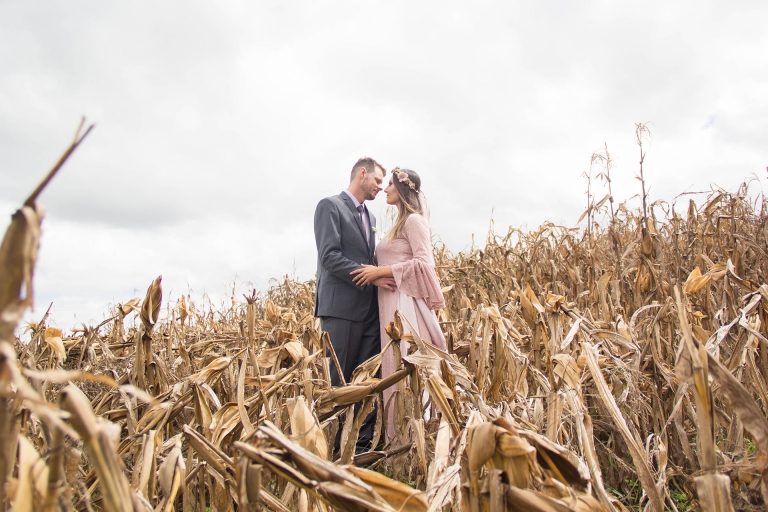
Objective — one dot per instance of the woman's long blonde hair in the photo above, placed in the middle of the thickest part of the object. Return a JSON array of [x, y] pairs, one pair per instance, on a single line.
[[409, 199]]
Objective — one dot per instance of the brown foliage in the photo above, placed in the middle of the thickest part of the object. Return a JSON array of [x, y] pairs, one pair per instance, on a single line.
[[586, 371]]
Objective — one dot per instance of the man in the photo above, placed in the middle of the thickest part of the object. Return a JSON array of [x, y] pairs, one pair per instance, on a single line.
[[344, 234]]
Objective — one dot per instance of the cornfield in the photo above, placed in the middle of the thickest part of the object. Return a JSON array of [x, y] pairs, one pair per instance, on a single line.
[[624, 366]]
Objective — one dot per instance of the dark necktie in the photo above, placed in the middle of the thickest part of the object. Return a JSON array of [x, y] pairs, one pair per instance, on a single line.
[[361, 209]]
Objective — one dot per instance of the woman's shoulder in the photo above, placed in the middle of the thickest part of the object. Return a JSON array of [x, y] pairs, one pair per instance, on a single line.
[[416, 219], [416, 225]]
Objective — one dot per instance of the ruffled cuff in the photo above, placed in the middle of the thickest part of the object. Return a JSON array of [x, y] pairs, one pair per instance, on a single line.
[[417, 279]]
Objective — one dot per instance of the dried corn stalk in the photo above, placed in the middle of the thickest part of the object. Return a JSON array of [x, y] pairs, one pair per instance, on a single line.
[[575, 380]]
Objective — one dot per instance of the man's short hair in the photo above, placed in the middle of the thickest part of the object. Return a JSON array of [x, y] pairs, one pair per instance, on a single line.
[[370, 165]]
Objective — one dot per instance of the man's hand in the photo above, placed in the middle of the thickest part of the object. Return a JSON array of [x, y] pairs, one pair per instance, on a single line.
[[388, 283]]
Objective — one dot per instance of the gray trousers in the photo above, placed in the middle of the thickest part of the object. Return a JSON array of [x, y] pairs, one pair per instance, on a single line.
[[354, 343]]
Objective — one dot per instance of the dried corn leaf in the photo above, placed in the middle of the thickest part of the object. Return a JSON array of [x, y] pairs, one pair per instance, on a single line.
[[641, 464], [398, 495], [306, 430], [150, 308], [18, 254], [32, 478]]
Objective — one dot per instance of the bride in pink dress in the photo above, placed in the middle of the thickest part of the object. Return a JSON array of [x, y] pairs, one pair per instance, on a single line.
[[406, 255]]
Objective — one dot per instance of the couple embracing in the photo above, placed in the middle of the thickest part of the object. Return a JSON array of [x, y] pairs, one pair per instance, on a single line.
[[361, 284]]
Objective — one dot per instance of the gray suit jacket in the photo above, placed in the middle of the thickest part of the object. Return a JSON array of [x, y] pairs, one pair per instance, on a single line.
[[342, 248]]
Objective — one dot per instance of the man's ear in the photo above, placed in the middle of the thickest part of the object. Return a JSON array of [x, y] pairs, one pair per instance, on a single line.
[[362, 172]]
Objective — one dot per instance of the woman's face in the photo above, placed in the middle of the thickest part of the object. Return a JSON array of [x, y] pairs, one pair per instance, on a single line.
[[392, 195]]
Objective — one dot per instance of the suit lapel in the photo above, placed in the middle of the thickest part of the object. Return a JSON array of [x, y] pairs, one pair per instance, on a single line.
[[372, 244], [356, 215]]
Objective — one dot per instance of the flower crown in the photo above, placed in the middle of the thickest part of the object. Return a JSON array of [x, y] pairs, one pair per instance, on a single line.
[[402, 177]]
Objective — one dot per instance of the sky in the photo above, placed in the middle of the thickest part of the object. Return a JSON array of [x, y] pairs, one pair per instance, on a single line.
[[220, 125]]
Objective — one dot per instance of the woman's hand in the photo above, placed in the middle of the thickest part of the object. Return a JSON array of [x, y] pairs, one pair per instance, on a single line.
[[367, 274]]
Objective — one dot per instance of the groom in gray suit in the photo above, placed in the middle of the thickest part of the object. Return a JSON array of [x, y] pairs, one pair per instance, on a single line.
[[344, 234]]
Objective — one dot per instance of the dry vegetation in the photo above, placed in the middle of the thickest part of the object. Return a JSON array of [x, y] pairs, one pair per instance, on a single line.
[[621, 366]]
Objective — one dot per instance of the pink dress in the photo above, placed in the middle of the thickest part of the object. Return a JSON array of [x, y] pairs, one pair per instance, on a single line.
[[417, 295]]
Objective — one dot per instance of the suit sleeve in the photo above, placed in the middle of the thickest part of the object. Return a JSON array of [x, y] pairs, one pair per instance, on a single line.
[[417, 277], [328, 241]]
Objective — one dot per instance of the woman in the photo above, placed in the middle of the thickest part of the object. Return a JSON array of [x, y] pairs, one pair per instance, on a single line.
[[406, 255]]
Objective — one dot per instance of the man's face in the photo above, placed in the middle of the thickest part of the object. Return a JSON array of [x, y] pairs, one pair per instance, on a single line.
[[372, 183]]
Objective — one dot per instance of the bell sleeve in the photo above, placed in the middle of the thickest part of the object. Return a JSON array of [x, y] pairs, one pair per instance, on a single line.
[[417, 277]]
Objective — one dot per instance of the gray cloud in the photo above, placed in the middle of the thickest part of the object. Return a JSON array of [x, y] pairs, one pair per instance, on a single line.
[[220, 126]]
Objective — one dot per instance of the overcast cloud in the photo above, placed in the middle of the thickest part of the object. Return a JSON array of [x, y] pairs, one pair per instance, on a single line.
[[221, 124]]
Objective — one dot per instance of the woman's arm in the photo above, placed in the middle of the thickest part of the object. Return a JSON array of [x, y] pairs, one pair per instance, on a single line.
[[417, 277]]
